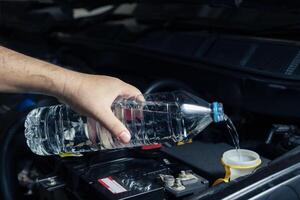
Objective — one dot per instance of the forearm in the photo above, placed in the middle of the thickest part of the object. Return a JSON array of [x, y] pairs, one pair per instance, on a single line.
[[90, 95], [21, 73]]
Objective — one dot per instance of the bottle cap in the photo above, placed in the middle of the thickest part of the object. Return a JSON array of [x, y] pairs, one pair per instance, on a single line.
[[218, 112]]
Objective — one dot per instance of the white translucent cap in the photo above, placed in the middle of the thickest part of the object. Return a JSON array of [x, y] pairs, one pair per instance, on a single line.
[[241, 159]]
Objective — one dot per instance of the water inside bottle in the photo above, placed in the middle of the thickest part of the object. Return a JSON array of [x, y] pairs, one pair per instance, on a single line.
[[234, 136]]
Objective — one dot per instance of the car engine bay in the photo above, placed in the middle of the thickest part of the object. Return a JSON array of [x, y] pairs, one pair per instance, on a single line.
[[158, 48]]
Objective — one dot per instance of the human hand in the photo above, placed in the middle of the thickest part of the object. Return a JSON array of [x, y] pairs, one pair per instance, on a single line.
[[93, 95], [90, 95]]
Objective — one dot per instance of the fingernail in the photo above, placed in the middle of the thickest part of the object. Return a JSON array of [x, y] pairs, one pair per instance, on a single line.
[[124, 137]]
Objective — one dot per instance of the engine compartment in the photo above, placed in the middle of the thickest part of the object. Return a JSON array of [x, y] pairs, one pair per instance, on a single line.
[[137, 170], [259, 97]]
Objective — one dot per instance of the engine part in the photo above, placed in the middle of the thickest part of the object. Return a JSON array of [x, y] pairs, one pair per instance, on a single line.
[[117, 178], [167, 85], [209, 164], [52, 188], [178, 185], [283, 137], [169, 180], [187, 183], [279, 129]]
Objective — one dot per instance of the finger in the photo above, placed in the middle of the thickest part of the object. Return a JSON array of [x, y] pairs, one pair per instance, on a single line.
[[114, 125], [131, 91], [140, 98]]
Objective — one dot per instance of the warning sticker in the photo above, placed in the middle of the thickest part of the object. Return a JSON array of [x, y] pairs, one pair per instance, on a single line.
[[112, 185]]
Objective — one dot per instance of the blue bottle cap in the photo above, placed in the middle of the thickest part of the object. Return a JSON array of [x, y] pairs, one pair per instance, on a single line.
[[218, 112]]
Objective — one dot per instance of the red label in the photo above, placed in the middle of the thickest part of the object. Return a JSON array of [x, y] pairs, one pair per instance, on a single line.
[[151, 146], [112, 185]]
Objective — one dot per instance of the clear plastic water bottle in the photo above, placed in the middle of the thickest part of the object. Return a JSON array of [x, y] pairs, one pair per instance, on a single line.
[[162, 117]]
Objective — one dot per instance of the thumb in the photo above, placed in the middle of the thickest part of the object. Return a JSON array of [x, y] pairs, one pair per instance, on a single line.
[[115, 126]]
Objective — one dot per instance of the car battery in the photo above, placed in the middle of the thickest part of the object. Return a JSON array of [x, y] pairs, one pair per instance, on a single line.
[[126, 175], [127, 179]]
